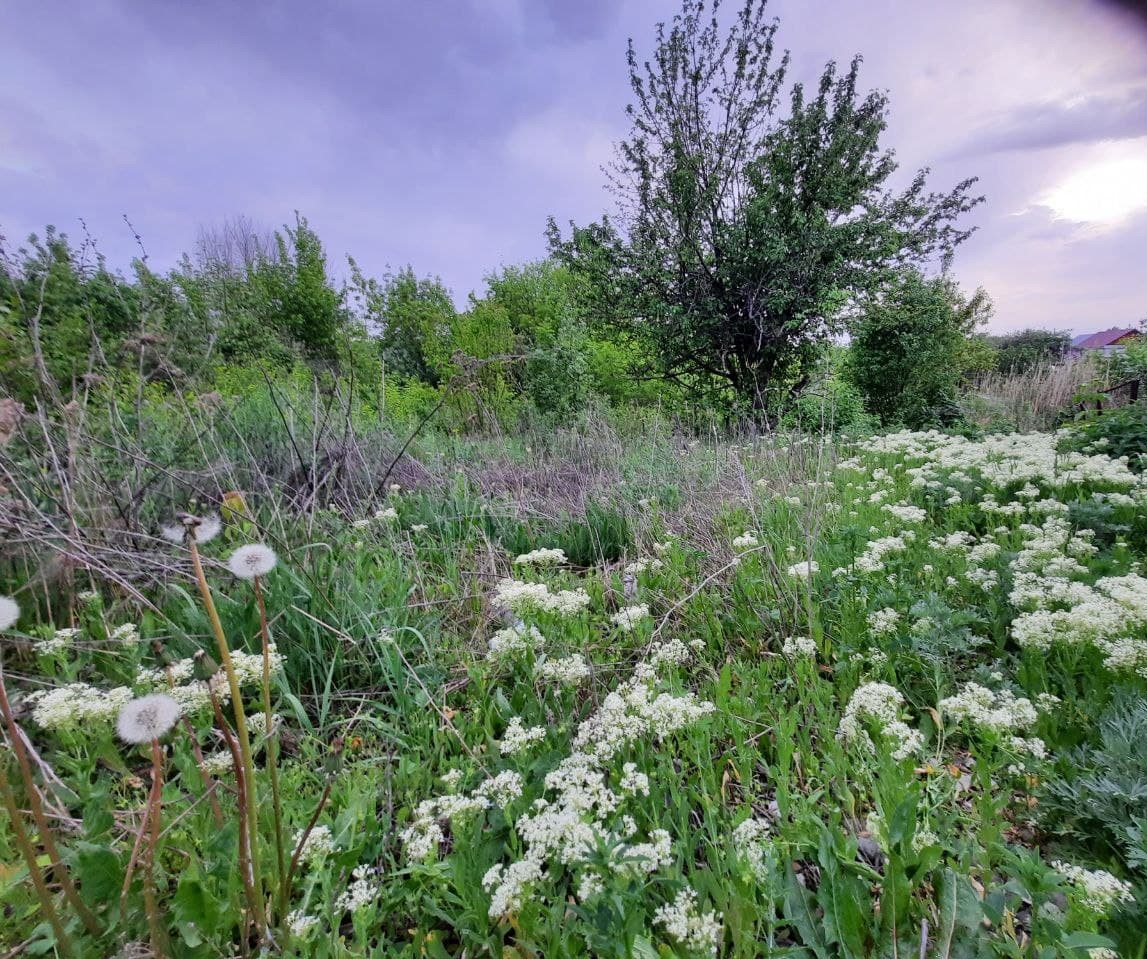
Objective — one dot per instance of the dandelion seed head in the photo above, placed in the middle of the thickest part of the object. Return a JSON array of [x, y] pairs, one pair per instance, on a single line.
[[252, 560], [147, 718]]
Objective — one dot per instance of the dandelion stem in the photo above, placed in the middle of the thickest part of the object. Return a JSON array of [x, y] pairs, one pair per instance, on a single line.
[[28, 851], [272, 747], [59, 870], [240, 729], [154, 806]]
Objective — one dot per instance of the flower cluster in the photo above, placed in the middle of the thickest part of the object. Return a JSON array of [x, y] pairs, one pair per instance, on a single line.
[[1097, 889], [570, 671], [697, 931], [517, 738], [541, 557], [984, 709], [522, 598], [509, 642], [628, 618], [879, 705]]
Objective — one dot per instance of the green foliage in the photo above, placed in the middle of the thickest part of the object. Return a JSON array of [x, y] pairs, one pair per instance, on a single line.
[[1102, 788], [747, 233], [1117, 432], [1020, 352], [910, 349]]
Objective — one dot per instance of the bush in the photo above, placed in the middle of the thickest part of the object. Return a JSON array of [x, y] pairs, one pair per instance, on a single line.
[[1118, 432]]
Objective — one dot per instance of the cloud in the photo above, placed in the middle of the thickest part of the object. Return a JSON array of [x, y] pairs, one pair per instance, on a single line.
[[1084, 119]]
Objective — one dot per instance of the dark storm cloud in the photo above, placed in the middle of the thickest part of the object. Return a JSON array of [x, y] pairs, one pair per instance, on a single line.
[[1086, 119], [442, 134]]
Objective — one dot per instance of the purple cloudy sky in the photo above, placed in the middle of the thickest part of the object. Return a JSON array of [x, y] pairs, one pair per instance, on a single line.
[[442, 133]]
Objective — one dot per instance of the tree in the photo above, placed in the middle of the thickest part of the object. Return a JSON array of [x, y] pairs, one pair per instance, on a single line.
[[1019, 352], [740, 237], [912, 346]]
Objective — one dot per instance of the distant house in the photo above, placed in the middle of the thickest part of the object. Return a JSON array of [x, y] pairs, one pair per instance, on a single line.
[[1106, 341]]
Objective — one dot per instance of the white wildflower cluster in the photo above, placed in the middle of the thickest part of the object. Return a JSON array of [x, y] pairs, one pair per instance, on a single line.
[[127, 634], [60, 641], [879, 705], [300, 924], [541, 557], [906, 512], [634, 783], [1097, 889], [1001, 460], [796, 646], [745, 541], [669, 652], [628, 618], [873, 558], [508, 884], [78, 705], [635, 710], [522, 598], [698, 932], [517, 738], [982, 708], [248, 667], [421, 838], [750, 843], [319, 844], [218, 764], [883, 621], [362, 891], [386, 515], [805, 570], [568, 671], [648, 564], [509, 642]]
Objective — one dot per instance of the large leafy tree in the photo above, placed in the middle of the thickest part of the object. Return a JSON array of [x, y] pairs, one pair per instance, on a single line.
[[742, 236]]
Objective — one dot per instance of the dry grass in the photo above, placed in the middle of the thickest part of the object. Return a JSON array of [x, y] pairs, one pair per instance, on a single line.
[[1034, 399]]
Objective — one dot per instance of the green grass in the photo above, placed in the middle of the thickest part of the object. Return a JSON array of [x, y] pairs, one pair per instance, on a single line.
[[386, 687]]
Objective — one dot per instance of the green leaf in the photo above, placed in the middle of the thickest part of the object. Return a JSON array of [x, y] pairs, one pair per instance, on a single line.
[[798, 910], [98, 872], [1087, 940], [194, 908], [960, 910], [643, 949]]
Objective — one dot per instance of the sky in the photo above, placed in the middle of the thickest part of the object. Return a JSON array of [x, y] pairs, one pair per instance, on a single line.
[[443, 134]]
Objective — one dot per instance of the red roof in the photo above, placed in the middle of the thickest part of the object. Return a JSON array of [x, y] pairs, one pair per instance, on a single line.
[[1096, 341]]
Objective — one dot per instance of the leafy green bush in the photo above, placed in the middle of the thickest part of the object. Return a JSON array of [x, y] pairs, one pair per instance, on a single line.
[[1117, 432]]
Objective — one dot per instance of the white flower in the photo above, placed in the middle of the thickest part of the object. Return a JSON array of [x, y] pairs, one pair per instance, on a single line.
[[571, 671], [515, 639], [883, 621], [879, 704], [507, 884], [361, 892], [252, 560], [218, 763], [1098, 889], [746, 540], [749, 840], [804, 570], [127, 634], [695, 930], [300, 924], [541, 557], [390, 513], [797, 646], [60, 640], [9, 612], [147, 718], [319, 843], [518, 738], [627, 619]]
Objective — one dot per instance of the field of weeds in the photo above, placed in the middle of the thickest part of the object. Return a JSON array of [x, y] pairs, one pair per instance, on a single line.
[[597, 692]]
